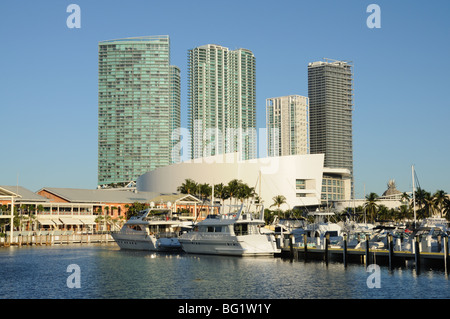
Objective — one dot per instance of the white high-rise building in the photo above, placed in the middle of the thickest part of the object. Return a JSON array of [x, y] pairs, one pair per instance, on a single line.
[[221, 101], [287, 125]]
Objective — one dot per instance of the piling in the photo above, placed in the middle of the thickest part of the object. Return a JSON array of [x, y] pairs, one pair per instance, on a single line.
[[291, 245], [446, 259], [327, 243], [305, 243], [391, 251], [367, 250], [439, 243], [417, 253], [345, 251]]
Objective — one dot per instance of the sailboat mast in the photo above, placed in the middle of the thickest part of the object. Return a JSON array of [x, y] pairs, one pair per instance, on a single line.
[[414, 195]]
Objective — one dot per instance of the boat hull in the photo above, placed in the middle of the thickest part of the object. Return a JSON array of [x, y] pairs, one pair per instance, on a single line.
[[150, 243], [249, 245]]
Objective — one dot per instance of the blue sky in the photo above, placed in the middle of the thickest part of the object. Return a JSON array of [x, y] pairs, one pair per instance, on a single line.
[[48, 77]]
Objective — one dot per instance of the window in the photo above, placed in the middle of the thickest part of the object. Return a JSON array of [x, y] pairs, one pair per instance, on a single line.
[[300, 184]]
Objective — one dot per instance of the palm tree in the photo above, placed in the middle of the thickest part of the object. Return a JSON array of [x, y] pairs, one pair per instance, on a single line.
[[221, 191], [446, 208], [429, 205], [188, 187], [204, 190], [244, 192], [233, 188], [371, 205], [420, 195], [438, 200], [404, 212], [278, 201]]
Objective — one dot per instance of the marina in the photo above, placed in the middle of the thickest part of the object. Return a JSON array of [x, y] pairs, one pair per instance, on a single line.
[[391, 246], [108, 272], [421, 250], [369, 256]]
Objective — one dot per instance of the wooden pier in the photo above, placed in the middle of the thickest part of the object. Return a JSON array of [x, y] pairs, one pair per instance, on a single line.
[[389, 257], [30, 238]]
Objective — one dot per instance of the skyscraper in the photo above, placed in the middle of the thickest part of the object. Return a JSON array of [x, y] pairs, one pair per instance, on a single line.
[[330, 92], [222, 101], [138, 107], [287, 125]]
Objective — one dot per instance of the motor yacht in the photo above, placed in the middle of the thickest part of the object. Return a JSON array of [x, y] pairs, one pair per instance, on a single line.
[[154, 229], [237, 232]]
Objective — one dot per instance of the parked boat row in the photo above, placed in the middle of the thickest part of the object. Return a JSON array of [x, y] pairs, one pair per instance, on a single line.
[[430, 232], [237, 232]]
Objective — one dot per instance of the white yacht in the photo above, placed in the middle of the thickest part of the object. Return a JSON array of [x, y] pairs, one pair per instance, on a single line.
[[154, 229], [236, 233]]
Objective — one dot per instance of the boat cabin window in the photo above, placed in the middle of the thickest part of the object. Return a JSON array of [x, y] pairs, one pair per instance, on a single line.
[[211, 229], [332, 233], [135, 227], [241, 229]]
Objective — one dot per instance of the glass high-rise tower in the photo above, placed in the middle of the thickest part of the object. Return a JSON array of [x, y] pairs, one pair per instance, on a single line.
[[221, 101], [138, 107], [330, 92]]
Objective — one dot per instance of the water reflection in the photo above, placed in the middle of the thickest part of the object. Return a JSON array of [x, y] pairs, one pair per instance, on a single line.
[[107, 272]]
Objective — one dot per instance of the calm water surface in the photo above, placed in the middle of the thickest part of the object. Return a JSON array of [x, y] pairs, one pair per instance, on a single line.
[[108, 272]]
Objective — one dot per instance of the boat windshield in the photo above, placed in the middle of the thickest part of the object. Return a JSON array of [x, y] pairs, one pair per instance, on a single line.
[[241, 229]]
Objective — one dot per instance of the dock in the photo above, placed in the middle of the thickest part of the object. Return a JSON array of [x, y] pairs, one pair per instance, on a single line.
[[45, 238], [418, 256]]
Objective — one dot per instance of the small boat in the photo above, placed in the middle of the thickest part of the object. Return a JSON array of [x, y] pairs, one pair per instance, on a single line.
[[236, 233], [319, 229], [153, 229]]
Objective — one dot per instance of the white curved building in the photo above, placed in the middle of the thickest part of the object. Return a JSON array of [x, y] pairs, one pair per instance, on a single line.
[[297, 177]]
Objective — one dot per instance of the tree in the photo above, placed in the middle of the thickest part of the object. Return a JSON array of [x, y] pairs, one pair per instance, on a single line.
[[420, 195], [371, 205], [135, 208], [221, 191], [404, 212], [429, 205], [233, 188], [204, 190], [438, 201], [245, 192], [278, 201], [446, 208], [188, 187]]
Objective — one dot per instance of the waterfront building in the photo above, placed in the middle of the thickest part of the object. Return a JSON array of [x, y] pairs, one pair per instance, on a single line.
[[330, 92], [392, 198], [297, 177], [76, 209], [138, 107], [72, 203], [221, 101], [287, 125]]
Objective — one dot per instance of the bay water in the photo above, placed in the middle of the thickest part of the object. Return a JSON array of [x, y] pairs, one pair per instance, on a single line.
[[103, 271]]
